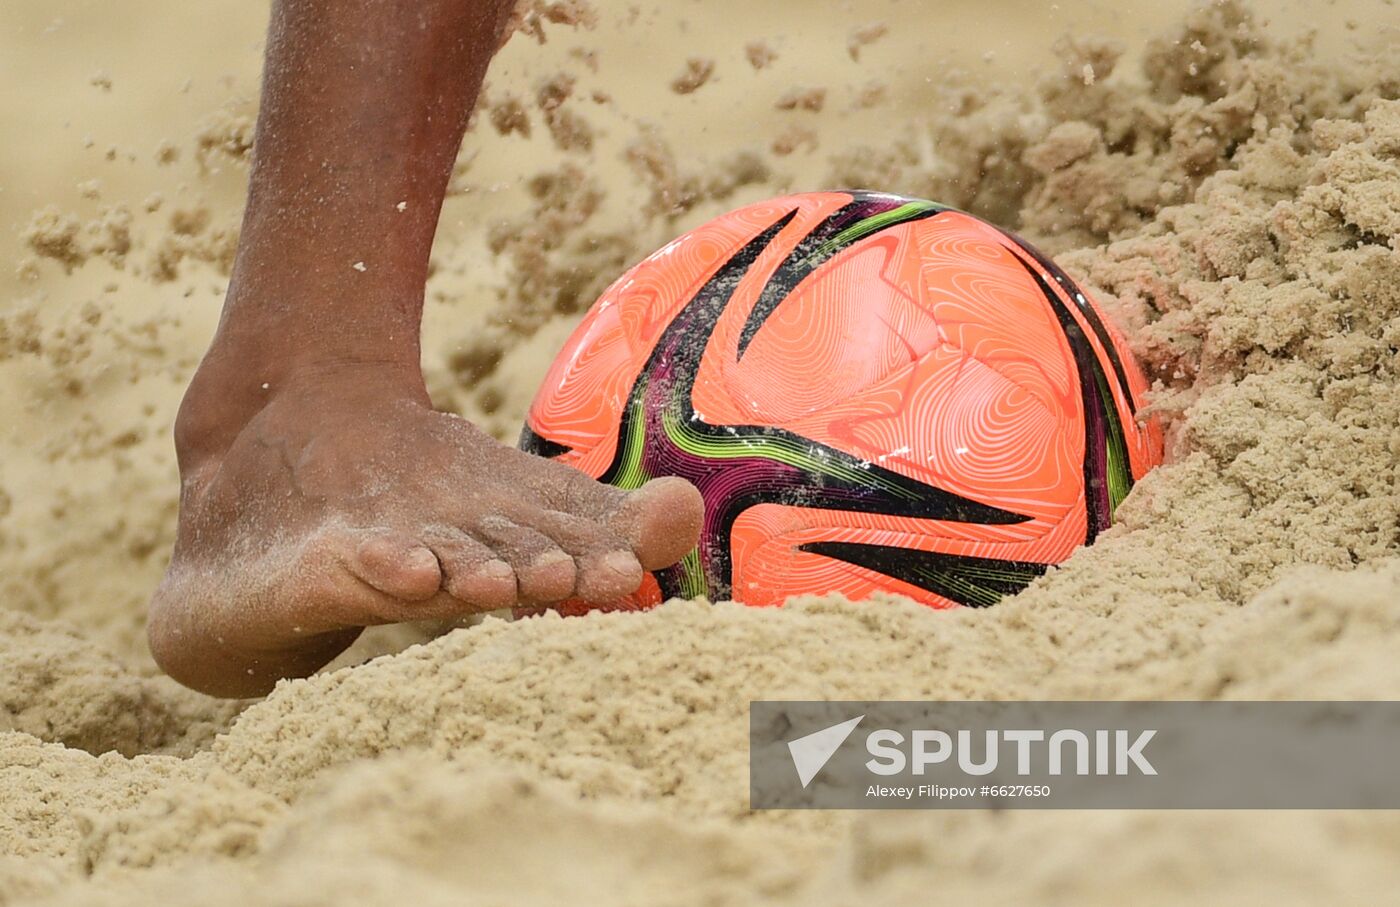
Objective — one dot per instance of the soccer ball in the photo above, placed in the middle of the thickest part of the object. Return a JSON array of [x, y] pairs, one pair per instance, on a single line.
[[872, 393]]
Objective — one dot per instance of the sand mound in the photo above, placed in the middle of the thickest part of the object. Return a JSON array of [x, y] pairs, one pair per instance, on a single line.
[[1234, 200], [65, 688], [507, 750]]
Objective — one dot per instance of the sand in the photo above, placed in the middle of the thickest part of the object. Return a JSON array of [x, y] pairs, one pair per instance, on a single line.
[[1229, 188]]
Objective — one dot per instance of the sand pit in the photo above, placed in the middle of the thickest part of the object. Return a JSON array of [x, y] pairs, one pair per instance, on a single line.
[[1230, 189]]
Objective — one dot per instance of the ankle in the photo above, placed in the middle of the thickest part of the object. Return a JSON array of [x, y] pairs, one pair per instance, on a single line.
[[230, 388]]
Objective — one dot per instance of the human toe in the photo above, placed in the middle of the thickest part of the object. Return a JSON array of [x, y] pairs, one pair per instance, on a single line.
[[397, 564], [661, 520], [472, 572], [544, 572]]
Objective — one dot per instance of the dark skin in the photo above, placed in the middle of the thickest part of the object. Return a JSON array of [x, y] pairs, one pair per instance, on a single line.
[[320, 491]]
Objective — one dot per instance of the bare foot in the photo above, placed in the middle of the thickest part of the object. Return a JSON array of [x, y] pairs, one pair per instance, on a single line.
[[341, 499], [320, 491]]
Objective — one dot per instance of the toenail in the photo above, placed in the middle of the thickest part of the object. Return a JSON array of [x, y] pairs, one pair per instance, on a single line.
[[550, 558], [495, 569], [420, 559], [621, 562]]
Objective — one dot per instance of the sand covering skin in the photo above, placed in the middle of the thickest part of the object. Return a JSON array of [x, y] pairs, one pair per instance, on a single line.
[[1237, 205]]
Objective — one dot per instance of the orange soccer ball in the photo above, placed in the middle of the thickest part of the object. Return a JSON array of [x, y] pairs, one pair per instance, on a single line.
[[872, 393]]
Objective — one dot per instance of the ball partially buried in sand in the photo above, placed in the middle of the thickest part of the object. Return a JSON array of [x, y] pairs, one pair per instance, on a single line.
[[872, 393]]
